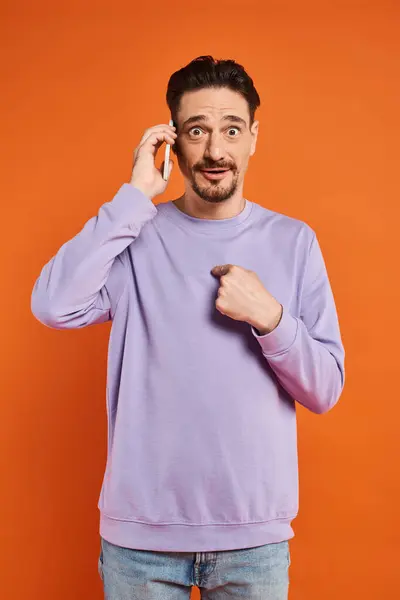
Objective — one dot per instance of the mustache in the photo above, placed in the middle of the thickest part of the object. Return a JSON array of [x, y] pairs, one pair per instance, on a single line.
[[213, 166]]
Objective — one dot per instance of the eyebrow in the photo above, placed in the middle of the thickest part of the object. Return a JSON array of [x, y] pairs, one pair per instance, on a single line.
[[203, 118]]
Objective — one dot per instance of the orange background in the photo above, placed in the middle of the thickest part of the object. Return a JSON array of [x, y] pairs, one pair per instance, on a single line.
[[81, 82]]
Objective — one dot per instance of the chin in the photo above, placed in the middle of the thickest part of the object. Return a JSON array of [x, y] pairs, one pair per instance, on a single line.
[[214, 193]]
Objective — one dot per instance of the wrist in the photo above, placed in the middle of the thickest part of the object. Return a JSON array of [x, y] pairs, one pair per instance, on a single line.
[[267, 325], [142, 188]]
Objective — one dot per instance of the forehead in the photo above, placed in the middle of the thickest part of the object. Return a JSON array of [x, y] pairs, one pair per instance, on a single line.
[[214, 103]]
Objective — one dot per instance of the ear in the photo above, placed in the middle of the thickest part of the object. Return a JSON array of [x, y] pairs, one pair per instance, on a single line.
[[254, 134]]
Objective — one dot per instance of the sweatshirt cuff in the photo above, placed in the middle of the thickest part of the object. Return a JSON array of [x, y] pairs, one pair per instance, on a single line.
[[281, 338], [132, 202]]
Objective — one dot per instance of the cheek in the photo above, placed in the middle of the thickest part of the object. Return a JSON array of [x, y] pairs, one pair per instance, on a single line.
[[188, 156], [176, 148], [242, 163]]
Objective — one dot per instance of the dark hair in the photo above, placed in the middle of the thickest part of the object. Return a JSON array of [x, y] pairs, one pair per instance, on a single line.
[[207, 72]]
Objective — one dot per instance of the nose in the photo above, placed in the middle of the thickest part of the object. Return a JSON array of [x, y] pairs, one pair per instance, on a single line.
[[215, 149]]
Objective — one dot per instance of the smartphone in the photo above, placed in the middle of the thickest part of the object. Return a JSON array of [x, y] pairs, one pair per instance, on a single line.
[[167, 153]]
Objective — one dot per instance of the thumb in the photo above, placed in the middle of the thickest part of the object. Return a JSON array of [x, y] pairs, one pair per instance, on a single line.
[[220, 270]]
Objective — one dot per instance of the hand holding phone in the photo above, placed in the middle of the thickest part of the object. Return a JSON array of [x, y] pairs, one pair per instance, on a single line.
[[145, 176]]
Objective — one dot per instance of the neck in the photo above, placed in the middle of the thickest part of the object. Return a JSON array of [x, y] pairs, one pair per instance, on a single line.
[[194, 206]]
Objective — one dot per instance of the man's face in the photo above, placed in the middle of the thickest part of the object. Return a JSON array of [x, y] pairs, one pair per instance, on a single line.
[[214, 132]]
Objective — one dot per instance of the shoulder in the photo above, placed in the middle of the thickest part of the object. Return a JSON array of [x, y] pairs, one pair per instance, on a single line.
[[283, 225]]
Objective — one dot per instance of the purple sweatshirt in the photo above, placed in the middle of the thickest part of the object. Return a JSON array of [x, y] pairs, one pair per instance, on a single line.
[[202, 445]]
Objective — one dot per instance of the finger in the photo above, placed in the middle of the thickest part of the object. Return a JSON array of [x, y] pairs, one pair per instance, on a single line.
[[158, 137], [157, 128], [161, 126], [221, 270], [155, 140]]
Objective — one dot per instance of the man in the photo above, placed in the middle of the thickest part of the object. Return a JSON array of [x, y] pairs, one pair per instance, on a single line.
[[223, 319]]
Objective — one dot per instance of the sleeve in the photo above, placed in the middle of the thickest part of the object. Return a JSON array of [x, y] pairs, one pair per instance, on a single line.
[[74, 289], [306, 352]]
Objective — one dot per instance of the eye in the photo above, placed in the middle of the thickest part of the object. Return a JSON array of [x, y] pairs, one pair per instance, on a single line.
[[194, 129], [199, 131], [233, 129]]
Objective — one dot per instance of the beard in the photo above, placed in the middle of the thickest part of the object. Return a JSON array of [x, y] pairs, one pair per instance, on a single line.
[[210, 191], [214, 191]]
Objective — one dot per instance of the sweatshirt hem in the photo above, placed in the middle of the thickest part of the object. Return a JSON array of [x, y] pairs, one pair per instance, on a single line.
[[194, 538]]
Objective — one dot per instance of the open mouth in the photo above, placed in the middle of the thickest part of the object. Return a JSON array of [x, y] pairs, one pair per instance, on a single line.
[[214, 173]]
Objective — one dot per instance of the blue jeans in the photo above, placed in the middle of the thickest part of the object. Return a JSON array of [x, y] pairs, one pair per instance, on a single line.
[[260, 573]]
